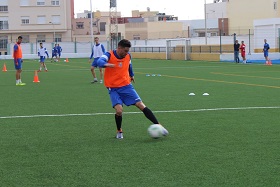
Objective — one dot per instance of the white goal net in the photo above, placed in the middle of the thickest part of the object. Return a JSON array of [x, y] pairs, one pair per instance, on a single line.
[[178, 49]]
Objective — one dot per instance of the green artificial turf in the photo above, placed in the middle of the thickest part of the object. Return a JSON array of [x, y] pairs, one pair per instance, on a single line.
[[61, 131]]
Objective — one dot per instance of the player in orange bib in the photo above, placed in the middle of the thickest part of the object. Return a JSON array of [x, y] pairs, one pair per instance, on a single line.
[[118, 75], [17, 54]]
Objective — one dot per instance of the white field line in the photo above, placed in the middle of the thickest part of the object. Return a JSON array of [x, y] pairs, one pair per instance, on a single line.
[[111, 113]]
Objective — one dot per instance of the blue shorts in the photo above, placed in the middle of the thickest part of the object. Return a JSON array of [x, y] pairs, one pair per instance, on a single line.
[[124, 95], [42, 59], [19, 61], [94, 63], [265, 54]]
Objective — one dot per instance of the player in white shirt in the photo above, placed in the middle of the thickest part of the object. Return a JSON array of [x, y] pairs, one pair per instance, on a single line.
[[97, 51], [42, 53]]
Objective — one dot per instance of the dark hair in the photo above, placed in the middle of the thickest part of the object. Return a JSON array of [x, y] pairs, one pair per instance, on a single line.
[[124, 43], [19, 37], [41, 43]]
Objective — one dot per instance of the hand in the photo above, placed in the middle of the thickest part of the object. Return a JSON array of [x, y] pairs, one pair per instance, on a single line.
[[88, 60], [132, 79], [21, 61]]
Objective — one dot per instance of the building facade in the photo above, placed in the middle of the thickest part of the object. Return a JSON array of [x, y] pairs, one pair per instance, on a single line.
[[35, 21]]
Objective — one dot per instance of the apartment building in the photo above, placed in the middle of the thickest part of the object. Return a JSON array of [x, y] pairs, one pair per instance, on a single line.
[[35, 21], [242, 13]]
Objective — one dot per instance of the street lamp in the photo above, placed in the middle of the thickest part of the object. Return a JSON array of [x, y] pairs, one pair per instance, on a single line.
[[54, 39]]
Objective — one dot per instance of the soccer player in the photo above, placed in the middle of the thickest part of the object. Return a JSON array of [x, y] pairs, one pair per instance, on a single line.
[[42, 52], [265, 51], [54, 53], [59, 51], [118, 75], [97, 51], [17, 54], [236, 47], [242, 49]]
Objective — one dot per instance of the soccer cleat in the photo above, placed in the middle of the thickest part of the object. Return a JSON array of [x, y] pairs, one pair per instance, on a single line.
[[39, 71], [164, 131], [46, 70], [101, 81], [119, 135], [20, 84]]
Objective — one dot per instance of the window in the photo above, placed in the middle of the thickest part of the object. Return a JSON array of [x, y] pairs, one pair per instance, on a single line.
[[80, 25], [24, 2], [4, 24], [3, 42], [25, 20], [41, 38], [55, 3], [56, 19], [41, 19], [58, 38], [40, 2], [136, 37], [275, 5], [3, 8], [25, 38]]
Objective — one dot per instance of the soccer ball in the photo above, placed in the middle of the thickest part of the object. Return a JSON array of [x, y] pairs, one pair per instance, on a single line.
[[155, 131]]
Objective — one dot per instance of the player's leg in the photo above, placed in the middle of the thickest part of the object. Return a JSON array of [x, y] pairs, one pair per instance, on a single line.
[[101, 75], [118, 119], [93, 66], [117, 105]]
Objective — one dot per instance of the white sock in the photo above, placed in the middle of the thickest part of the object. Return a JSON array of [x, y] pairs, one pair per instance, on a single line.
[[17, 81]]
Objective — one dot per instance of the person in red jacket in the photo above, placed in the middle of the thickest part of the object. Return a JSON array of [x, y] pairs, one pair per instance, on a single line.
[[242, 50], [118, 75]]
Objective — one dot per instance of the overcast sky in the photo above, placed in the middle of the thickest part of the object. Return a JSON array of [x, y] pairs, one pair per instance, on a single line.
[[184, 9]]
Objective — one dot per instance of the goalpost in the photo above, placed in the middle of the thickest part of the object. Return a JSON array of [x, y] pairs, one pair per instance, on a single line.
[[180, 47]]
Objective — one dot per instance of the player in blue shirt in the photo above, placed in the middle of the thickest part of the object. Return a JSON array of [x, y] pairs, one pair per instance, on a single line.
[[96, 52], [265, 51], [59, 50], [54, 53], [42, 52]]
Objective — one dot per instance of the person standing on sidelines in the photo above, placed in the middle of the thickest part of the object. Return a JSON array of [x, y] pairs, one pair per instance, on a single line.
[[17, 54], [97, 51], [42, 52], [59, 51], [54, 53], [265, 51], [236, 47], [242, 49], [118, 75]]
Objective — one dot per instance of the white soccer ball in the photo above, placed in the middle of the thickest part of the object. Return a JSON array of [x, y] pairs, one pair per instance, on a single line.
[[155, 131]]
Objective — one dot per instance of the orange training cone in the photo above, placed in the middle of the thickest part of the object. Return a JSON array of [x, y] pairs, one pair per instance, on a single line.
[[269, 63], [66, 60], [4, 68], [36, 78]]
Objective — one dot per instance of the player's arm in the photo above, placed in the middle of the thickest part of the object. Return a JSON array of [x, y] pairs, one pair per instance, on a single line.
[[130, 70], [90, 55], [103, 49], [46, 52], [103, 61], [15, 50]]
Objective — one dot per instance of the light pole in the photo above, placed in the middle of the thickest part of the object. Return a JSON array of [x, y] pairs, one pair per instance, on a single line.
[[205, 22], [53, 32]]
